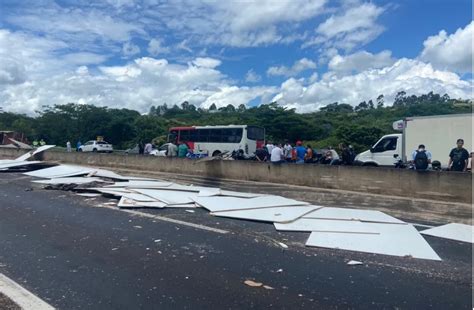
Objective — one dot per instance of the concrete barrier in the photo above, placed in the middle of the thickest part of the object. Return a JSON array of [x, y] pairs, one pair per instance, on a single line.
[[442, 186]]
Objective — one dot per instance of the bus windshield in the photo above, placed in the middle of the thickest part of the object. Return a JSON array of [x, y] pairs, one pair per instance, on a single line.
[[255, 133]]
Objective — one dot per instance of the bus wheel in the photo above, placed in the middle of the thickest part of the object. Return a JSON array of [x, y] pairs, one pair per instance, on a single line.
[[216, 153]]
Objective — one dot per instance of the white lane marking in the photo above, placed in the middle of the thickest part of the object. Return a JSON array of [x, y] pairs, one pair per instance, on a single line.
[[167, 219], [22, 297]]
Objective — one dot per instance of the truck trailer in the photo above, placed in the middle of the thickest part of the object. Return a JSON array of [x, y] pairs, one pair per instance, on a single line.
[[438, 134]]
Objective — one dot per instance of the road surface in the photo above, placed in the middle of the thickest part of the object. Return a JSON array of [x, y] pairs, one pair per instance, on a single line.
[[79, 253]]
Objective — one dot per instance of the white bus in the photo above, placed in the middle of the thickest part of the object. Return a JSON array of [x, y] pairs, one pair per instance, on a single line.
[[213, 140]]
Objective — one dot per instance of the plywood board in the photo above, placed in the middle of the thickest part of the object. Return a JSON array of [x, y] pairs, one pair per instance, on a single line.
[[130, 203], [129, 195], [209, 192], [453, 231], [168, 196], [304, 224], [60, 171], [240, 195], [71, 180], [34, 152], [396, 240], [14, 164], [140, 184], [112, 175], [219, 204], [353, 214], [276, 214]]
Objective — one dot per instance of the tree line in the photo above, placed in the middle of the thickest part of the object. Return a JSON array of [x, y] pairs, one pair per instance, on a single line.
[[359, 126]]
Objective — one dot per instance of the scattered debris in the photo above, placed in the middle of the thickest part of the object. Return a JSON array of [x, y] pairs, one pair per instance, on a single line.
[[279, 270], [190, 211], [253, 283], [283, 245], [268, 287], [354, 262], [137, 227], [453, 231]]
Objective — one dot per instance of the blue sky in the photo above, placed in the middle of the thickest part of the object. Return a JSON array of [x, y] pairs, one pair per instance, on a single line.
[[302, 54]]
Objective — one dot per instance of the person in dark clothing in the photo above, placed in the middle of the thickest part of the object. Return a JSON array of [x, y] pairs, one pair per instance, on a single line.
[[347, 157], [261, 154], [458, 157]]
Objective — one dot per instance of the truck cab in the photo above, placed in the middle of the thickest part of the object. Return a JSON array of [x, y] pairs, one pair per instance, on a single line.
[[386, 152]]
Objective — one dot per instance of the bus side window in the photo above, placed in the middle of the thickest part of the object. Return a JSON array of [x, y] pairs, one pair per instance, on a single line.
[[184, 135], [215, 136], [203, 135], [193, 136]]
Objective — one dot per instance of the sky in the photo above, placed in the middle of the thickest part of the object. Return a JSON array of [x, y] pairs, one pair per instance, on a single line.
[[303, 54]]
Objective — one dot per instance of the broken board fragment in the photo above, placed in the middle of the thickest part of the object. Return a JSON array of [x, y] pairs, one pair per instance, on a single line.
[[338, 226], [453, 231], [130, 203], [395, 240], [275, 214], [353, 214], [219, 204]]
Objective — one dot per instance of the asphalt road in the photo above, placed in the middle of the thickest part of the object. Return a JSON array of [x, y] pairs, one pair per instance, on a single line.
[[78, 253]]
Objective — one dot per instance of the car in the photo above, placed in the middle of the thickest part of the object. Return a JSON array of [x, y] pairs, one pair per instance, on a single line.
[[96, 146], [162, 151]]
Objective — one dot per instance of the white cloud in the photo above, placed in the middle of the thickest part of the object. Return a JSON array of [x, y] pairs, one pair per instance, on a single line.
[[207, 62], [130, 49], [450, 52], [355, 26], [360, 61], [250, 23], [299, 66], [84, 58], [412, 76], [252, 77], [155, 47]]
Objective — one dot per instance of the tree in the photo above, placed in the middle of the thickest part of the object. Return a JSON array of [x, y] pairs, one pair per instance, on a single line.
[[242, 107], [380, 101], [213, 107], [400, 98]]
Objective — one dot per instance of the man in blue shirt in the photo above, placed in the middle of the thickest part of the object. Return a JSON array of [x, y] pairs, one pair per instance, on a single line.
[[421, 158], [300, 153]]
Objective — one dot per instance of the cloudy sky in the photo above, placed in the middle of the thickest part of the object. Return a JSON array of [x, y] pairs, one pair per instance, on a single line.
[[301, 53]]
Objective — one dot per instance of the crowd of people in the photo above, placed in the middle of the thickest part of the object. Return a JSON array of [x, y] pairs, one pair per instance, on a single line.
[[299, 154]]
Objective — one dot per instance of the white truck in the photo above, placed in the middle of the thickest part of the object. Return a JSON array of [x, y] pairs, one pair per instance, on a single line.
[[438, 134]]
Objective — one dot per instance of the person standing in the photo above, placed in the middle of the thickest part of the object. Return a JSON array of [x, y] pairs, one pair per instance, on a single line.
[[287, 149], [42, 142], [182, 150], [277, 156], [35, 143], [270, 147], [309, 154], [261, 154], [78, 145], [172, 150], [421, 158], [68, 146], [300, 152], [334, 156], [347, 154], [458, 157], [148, 148]]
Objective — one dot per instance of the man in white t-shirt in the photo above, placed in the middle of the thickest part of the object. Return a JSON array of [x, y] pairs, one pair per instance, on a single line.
[[277, 155], [270, 147], [287, 151]]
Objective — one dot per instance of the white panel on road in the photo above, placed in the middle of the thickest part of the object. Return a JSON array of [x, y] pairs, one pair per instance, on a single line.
[[129, 195], [453, 231], [141, 184], [305, 224], [396, 240], [168, 196], [353, 214], [112, 175], [60, 171], [219, 204], [277, 214], [130, 203], [34, 152], [209, 192], [14, 164], [71, 180], [241, 195]]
